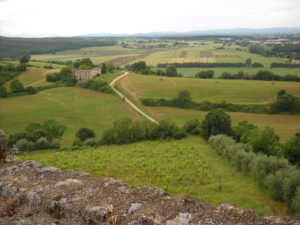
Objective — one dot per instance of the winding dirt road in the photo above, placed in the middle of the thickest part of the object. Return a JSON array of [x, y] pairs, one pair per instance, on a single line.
[[130, 103]]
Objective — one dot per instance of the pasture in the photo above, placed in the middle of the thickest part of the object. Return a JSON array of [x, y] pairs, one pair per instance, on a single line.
[[183, 167], [71, 106], [234, 91]]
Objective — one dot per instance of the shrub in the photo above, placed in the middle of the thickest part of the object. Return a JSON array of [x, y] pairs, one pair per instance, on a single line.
[[290, 187], [42, 143], [54, 143], [241, 129], [292, 150], [205, 74], [193, 127], [90, 142], [16, 86], [31, 90], [85, 133], [3, 92], [77, 142], [295, 205], [263, 165], [24, 145], [275, 181], [265, 141], [285, 103]]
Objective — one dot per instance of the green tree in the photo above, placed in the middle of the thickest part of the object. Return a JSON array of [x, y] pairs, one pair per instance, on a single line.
[[103, 68], [16, 86], [285, 103], [139, 66], [292, 150], [266, 141], [216, 122], [85, 133], [86, 61], [110, 67], [24, 59], [171, 71], [248, 62], [3, 92], [183, 99], [241, 129]]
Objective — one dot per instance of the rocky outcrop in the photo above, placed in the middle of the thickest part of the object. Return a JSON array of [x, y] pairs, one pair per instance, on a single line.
[[31, 194]]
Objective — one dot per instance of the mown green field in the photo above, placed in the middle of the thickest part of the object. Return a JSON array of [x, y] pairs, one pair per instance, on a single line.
[[71, 106], [284, 125], [234, 91], [184, 167], [33, 77]]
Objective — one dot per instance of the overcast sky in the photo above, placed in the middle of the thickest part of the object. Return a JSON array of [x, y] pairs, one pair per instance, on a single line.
[[73, 17]]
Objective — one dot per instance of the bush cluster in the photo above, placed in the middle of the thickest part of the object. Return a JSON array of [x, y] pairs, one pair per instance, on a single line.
[[281, 178], [96, 85], [44, 135], [127, 131], [65, 75], [141, 68], [10, 71]]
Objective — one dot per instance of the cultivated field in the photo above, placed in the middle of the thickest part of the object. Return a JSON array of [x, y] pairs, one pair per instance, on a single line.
[[234, 91], [73, 107], [202, 51], [185, 167]]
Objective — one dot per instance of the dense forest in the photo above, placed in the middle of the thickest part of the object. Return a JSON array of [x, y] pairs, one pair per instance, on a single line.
[[15, 47]]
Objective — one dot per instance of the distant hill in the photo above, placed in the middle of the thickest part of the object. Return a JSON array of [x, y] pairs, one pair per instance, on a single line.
[[236, 31]]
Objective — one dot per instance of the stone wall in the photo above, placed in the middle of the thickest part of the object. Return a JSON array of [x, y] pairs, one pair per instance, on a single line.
[[86, 74], [31, 194]]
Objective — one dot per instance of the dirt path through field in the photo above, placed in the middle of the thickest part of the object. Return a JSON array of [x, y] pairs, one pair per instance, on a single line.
[[130, 103]]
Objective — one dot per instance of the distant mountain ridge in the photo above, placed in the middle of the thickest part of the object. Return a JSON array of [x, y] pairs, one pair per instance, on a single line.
[[235, 31]]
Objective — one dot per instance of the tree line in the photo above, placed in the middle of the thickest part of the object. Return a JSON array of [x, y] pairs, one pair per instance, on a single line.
[[285, 103], [15, 47]]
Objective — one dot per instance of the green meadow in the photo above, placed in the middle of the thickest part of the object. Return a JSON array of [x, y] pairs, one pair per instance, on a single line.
[[74, 107], [184, 167], [233, 91]]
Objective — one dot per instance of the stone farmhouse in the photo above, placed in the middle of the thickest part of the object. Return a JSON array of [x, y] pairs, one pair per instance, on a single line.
[[86, 74]]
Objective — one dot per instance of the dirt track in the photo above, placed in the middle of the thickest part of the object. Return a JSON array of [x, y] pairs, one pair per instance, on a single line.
[[130, 103]]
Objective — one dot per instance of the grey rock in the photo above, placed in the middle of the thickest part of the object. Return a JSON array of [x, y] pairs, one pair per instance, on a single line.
[[96, 212], [8, 192], [181, 219], [31, 164], [35, 199], [48, 169], [134, 207], [68, 182]]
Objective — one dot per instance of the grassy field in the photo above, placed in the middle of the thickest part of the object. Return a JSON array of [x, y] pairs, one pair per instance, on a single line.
[[185, 167], [234, 91], [33, 77], [284, 125], [73, 107]]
